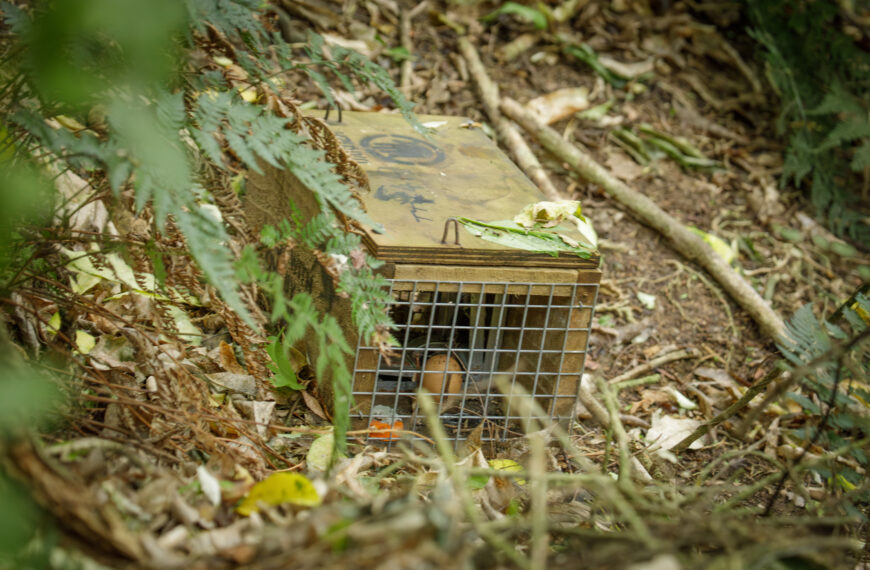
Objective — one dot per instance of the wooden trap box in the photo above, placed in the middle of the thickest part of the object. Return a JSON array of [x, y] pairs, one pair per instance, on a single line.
[[465, 312]]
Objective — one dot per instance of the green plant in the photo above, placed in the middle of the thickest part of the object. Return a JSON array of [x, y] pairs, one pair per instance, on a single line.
[[823, 79], [192, 92], [832, 361]]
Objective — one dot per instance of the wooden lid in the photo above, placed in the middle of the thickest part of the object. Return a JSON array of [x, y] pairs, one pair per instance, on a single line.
[[418, 183]]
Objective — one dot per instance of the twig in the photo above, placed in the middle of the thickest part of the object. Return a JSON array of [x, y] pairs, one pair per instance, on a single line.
[[686, 242], [65, 449], [461, 487], [506, 131], [594, 406], [642, 381], [719, 295], [725, 414], [655, 363], [605, 485], [408, 44], [774, 375], [618, 430], [538, 497]]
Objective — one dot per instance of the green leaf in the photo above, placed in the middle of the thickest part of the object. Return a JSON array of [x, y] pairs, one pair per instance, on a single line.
[[510, 234], [525, 13], [285, 372]]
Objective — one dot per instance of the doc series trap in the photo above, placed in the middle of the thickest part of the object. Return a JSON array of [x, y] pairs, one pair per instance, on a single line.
[[471, 314]]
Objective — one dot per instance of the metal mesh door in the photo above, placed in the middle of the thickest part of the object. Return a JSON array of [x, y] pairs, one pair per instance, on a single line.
[[454, 337]]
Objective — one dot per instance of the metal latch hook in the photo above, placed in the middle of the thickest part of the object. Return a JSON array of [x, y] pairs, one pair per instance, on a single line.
[[455, 231]]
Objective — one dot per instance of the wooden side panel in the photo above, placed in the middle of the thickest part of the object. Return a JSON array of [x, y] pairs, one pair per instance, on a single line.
[[267, 201]]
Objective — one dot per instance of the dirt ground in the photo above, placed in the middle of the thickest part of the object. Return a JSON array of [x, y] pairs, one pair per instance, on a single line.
[[740, 204], [693, 81]]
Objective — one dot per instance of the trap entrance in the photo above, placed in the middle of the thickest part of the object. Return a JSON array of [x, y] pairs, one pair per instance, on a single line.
[[457, 337]]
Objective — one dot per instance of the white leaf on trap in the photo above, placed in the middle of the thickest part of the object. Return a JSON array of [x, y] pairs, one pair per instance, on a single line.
[[547, 213], [435, 124], [211, 487]]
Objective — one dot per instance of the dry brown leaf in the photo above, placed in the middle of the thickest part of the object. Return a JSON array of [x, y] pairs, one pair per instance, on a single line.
[[314, 405], [228, 359]]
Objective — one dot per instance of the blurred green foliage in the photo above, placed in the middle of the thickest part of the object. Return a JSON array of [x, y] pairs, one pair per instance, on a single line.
[[822, 75], [115, 91]]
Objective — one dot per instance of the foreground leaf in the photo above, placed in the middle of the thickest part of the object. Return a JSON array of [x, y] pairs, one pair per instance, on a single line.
[[279, 489]]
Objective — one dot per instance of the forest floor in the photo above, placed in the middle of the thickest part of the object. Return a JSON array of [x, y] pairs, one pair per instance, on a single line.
[[140, 504]]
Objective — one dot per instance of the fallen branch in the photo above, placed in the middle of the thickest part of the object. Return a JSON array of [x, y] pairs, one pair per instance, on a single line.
[[655, 363], [686, 242], [405, 82], [506, 131]]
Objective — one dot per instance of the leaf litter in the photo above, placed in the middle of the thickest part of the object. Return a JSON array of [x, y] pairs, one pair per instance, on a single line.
[[173, 441]]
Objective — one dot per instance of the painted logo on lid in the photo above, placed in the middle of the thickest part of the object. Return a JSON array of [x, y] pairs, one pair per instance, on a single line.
[[402, 149]]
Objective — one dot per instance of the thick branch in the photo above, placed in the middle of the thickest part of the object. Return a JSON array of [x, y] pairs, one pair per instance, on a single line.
[[506, 131]]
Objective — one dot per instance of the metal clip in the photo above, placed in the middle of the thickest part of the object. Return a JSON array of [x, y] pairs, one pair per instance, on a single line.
[[326, 114], [455, 231]]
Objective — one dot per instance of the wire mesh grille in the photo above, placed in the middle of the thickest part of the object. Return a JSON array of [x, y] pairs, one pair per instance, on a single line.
[[456, 337]]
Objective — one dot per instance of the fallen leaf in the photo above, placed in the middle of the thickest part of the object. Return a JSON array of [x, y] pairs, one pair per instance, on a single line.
[[560, 104], [241, 383], [647, 300], [279, 489], [314, 405], [667, 431], [209, 484], [507, 465], [320, 452], [85, 342], [682, 401], [228, 359]]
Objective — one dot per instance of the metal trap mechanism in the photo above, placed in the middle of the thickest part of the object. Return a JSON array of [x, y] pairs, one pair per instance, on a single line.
[[456, 337]]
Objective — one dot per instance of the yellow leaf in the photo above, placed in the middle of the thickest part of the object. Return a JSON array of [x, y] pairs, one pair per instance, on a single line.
[[507, 465], [85, 342], [279, 489], [844, 483], [861, 313], [53, 325], [249, 94], [719, 245], [69, 123]]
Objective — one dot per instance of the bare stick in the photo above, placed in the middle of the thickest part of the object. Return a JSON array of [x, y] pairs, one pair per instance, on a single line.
[[617, 429], [408, 44], [686, 242], [538, 496], [655, 363], [728, 412], [506, 131], [461, 486]]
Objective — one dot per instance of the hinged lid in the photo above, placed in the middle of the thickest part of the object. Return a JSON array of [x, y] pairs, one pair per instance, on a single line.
[[418, 183]]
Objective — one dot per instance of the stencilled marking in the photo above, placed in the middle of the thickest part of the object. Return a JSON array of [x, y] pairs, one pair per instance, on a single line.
[[402, 149], [355, 152], [415, 200]]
